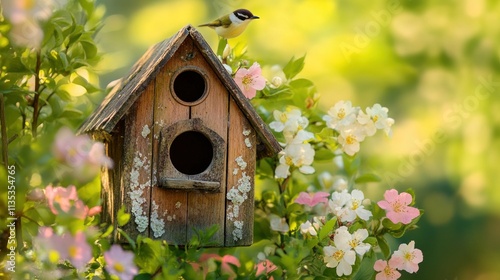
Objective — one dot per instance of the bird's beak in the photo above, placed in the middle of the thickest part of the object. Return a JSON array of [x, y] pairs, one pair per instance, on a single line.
[[255, 17]]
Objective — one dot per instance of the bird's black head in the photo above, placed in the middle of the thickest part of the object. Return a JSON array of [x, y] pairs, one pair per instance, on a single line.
[[244, 14]]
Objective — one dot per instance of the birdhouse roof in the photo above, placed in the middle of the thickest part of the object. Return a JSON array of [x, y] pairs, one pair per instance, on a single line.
[[121, 98]]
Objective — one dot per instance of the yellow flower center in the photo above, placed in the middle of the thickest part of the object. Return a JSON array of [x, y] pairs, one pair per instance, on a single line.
[[409, 256], [338, 255], [288, 160], [350, 140], [119, 267], [398, 207], [247, 79], [375, 118], [355, 204], [283, 118], [73, 251], [341, 113]]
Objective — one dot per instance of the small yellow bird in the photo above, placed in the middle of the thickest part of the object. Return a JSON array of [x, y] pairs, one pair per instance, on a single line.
[[233, 24]]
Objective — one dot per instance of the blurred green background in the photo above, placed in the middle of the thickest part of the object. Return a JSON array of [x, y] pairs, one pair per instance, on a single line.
[[434, 64]]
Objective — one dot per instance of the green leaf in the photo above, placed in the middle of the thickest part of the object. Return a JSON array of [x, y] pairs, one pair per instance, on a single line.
[[73, 89], [108, 232], [327, 228], [123, 217], [293, 67], [367, 178], [391, 226], [149, 254], [384, 246]]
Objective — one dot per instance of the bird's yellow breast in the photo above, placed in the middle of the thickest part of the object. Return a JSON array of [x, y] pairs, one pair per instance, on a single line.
[[232, 30]]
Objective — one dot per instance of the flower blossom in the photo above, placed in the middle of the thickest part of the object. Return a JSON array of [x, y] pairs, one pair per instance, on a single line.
[[226, 262], [308, 228], [350, 138], [342, 114], [407, 257], [312, 199], [120, 263], [278, 223], [250, 80], [298, 155], [347, 206], [397, 207], [386, 269], [80, 153], [26, 16], [65, 200], [376, 118], [341, 256], [75, 249], [265, 267]]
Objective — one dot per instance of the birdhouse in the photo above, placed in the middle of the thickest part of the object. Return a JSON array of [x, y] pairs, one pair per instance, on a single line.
[[185, 142]]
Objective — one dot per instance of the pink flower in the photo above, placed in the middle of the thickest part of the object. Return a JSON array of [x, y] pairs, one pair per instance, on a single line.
[[387, 271], [225, 261], [65, 200], [80, 153], [407, 257], [312, 199], [397, 207], [76, 249], [120, 263], [250, 80], [60, 198], [265, 267], [68, 247]]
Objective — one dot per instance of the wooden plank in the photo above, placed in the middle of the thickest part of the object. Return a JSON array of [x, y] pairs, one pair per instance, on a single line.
[[270, 145], [137, 163], [112, 187], [207, 209], [171, 204], [240, 179]]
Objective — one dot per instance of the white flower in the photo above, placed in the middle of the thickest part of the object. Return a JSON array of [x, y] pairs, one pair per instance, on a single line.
[[299, 155], [302, 136], [376, 118], [289, 122], [308, 228], [278, 223], [341, 255], [357, 239], [350, 138], [342, 114], [355, 205]]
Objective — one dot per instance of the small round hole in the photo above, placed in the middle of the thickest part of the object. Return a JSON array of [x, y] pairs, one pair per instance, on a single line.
[[191, 152], [189, 86]]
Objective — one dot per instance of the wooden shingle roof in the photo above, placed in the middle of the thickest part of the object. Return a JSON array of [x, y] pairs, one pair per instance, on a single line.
[[121, 98]]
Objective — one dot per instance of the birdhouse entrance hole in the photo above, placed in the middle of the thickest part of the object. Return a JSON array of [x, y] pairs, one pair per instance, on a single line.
[[189, 86], [191, 152]]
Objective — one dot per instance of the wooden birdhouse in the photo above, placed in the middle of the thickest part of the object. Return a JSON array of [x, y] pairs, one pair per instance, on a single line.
[[185, 142]]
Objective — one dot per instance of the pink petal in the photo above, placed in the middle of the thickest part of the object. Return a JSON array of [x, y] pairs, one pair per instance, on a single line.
[[405, 198], [304, 198], [94, 211], [384, 205], [391, 195], [380, 265], [258, 82]]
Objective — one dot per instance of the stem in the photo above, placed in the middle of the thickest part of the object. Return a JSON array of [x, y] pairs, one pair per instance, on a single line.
[[5, 143], [36, 108]]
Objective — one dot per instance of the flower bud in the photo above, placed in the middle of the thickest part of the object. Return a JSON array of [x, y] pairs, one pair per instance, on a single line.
[[226, 52], [276, 82]]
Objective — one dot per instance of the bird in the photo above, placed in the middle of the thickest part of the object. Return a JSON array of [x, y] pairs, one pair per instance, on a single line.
[[233, 24]]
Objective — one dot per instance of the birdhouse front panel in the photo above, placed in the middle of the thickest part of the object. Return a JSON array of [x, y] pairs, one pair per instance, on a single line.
[[185, 142]]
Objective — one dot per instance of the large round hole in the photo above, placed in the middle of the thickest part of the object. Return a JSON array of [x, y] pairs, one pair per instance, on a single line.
[[191, 152], [189, 86]]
